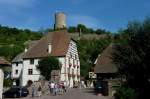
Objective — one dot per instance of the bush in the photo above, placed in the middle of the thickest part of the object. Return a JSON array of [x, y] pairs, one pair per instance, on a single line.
[[125, 92], [8, 82]]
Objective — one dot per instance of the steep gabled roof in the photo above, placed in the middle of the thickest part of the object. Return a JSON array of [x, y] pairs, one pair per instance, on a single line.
[[18, 58], [3, 61], [104, 62], [59, 41], [30, 43]]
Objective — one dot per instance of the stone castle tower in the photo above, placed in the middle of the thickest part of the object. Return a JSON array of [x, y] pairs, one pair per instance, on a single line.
[[60, 20]]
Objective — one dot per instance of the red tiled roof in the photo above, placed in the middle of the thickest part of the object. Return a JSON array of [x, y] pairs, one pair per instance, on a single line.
[[59, 41]]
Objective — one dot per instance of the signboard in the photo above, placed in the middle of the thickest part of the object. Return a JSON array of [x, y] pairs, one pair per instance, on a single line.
[[92, 75]]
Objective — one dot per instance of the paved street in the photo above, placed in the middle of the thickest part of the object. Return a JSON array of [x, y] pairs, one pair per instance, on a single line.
[[72, 94]]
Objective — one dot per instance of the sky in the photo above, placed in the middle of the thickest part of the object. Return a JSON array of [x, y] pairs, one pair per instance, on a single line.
[[110, 15]]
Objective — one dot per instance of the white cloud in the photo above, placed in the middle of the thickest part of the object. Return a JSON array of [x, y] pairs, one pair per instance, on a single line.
[[89, 21]]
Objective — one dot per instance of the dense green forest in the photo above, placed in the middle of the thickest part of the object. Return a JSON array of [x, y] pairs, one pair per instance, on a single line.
[[85, 30], [12, 40]]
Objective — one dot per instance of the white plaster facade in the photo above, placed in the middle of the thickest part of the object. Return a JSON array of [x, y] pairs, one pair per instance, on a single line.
[[70, 70], [16, 70], [29, 71]]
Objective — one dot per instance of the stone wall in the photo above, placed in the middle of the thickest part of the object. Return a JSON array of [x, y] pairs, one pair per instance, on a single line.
[[113, 84]]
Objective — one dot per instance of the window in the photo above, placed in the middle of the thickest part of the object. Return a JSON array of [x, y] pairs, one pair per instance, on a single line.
[[16, 72], [30, 71], [70, 54], [31, 61], [38, 61], [70, 62], [75, 56], [16, 64]]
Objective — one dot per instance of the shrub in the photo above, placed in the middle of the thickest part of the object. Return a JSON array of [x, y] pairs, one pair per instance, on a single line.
[[8, 82], [125, 92]]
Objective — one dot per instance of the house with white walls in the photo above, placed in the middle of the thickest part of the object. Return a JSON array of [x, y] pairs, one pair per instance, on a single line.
[[58, 44], [5, 65]]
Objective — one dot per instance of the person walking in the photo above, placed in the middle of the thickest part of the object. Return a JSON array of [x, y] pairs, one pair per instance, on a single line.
[[56, 89], [50, 90], [64, 87], [52, 87], [60, 88], [39, 91], [33, 90]]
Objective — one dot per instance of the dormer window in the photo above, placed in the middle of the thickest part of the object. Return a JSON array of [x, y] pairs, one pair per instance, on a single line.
[[49, 48], [31, 61], [16, 64]]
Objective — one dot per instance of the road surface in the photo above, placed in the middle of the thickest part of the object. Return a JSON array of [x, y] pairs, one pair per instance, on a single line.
[[71, 94]]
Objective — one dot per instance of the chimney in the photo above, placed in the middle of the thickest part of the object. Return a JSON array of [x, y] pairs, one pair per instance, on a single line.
[[49, 48], [25, 50]]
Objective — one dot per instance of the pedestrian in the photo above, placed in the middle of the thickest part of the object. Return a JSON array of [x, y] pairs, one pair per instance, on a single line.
[[52, 87], [61, 88], [56, 89], [65, 86], [33, 90], [39, 91], [82, 84], [85, 85], [50, 90]]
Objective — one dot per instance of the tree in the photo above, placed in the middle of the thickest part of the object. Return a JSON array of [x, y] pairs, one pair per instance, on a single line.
[[12, 40], [72, 29], [100, 31], [89, 51], [82, 28], [133, 57], [46, 65]]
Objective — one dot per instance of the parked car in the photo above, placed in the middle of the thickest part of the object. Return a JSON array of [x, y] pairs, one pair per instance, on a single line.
[[16, 92], [101, 87]]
